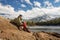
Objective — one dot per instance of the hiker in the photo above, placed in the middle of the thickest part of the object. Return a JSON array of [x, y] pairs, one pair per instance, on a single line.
[[21, 25]]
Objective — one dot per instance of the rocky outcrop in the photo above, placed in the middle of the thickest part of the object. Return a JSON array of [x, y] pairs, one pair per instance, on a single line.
[[9, 31], [46, 36]]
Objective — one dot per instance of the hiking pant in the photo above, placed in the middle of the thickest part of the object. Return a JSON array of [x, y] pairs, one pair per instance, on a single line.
[[26, 29]]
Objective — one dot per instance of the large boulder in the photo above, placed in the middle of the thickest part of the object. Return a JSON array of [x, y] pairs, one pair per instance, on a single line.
[[46, 36]]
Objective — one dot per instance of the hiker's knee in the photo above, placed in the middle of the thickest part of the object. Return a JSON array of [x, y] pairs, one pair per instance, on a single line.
[[20, 27]]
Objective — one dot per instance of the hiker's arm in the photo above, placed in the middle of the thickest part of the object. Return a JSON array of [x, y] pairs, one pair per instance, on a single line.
[[21, 22]]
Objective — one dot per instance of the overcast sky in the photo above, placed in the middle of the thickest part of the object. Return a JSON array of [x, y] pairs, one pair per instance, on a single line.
[[29, 8]]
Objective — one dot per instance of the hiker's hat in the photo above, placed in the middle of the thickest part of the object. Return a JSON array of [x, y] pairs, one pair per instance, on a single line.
[[20, 15]]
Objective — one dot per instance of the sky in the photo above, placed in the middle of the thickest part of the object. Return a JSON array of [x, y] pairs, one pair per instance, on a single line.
[[29, 8]]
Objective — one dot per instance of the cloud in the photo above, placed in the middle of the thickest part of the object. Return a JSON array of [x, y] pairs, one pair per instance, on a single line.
[[23, 5], [8, 11], [39, 12], [55, 10], [28, 1], [56, 1], [48, 4], [37, 4]]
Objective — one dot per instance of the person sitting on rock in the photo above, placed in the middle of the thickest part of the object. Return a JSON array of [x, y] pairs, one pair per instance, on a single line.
[[20, 23]]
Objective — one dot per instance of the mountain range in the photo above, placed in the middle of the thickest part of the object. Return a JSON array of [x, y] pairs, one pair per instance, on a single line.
[[44, 18]]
